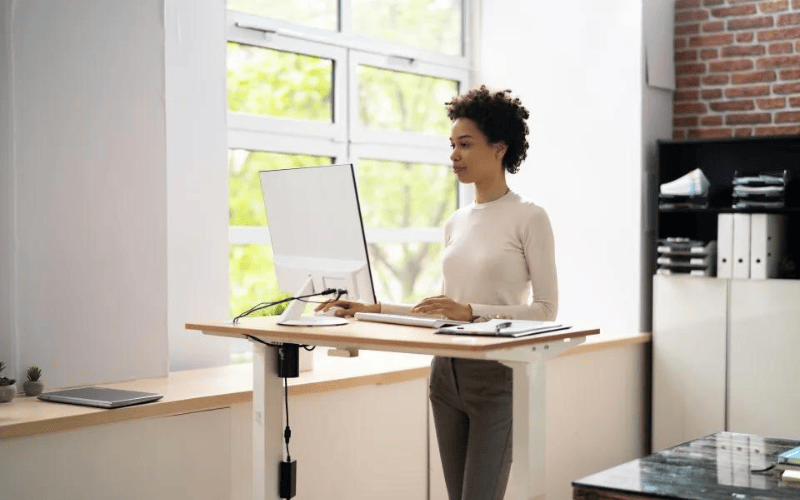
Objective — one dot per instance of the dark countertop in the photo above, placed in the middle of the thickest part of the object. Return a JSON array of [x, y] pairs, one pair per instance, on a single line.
[[710, 468]]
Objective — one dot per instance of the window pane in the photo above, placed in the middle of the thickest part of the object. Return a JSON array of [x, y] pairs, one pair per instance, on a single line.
[[405, 273], [268, 82], [246, 200], [314, 13], [397, 194], [252, 278], [426, 24], [393, 100]]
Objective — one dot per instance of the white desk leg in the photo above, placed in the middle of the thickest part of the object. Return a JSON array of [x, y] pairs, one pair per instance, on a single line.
[[528, 430], [267, 422]]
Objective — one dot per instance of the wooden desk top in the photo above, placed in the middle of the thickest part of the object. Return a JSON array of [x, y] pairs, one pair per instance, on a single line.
[[371, 335], [715, 467]]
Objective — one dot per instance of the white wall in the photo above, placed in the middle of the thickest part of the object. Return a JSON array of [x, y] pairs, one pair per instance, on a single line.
[[578, 71], [197, 179], [89, 211], [8, 340], [114, 187]]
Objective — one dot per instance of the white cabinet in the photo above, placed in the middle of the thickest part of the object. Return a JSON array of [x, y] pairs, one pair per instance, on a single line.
[[689, 339], [764, 397], [725, 353], [369, 441], [180, 456]]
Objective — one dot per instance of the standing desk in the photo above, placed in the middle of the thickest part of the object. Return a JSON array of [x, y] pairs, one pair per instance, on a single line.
[[526, 356]]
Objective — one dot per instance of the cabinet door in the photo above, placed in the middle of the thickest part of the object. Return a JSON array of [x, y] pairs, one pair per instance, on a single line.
[[689, 337], [765, 357], [180, 456]]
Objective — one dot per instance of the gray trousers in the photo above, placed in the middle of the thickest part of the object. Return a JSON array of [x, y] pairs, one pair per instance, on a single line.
[[472, 409]]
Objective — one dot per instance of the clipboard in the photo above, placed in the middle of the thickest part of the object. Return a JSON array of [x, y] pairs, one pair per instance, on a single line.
[[503, 328]]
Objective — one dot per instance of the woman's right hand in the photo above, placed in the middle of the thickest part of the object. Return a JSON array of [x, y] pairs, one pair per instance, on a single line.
[[348, 307]]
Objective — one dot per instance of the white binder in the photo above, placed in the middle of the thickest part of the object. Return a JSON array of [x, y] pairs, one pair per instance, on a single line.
[[741, 246], [766, 245], [725, 245]]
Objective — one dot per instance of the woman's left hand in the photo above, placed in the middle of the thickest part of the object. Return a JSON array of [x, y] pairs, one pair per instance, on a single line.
[[447, 307]]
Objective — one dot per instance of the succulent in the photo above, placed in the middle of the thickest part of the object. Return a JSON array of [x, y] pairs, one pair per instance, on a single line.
[[34, 373], [4, 381]]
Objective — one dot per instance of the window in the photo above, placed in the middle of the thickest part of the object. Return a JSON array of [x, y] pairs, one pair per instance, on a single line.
[[315, 82]]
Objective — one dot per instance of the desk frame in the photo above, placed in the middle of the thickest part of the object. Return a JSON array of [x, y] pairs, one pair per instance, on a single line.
[[528, 363]]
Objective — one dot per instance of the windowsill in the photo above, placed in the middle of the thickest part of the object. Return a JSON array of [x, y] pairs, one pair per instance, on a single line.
[[208, 388], [219, 387]]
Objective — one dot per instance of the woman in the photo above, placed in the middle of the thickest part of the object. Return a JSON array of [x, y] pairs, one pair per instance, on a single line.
[[498, 263]]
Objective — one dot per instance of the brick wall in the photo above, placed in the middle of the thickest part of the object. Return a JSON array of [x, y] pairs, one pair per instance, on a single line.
[[737, 68]]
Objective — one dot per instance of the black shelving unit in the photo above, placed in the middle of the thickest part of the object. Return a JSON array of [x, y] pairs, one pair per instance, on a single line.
[[720, 159]]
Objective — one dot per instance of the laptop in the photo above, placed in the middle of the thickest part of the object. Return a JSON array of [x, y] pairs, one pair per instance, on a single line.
[[100, 397], [408, 320]]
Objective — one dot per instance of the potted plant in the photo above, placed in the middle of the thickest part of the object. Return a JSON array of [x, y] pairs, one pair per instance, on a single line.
[[7, 387], [32, 386]]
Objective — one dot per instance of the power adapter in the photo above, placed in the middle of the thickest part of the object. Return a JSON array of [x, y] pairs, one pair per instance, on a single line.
[[289, 361], [288, 479]]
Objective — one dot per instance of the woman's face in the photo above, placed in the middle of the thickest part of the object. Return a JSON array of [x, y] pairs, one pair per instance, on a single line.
[[474, 159]]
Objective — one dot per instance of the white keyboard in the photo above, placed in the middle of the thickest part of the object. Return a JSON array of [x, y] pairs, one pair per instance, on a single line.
[[400, 319]]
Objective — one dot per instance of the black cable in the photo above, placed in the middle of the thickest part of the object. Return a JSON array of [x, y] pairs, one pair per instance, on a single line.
[[761, 471], [339, 293], [287, 433], [263, 305], [256, 339]]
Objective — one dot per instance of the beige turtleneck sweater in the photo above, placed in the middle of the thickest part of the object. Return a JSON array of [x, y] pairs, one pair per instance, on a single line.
[[499, 258]]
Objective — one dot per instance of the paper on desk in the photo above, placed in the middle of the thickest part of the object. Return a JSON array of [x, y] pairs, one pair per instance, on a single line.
[[509, 328]]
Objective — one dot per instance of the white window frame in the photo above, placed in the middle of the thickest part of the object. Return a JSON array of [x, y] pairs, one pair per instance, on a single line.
[[345, 139], [359, 134], [347, 39], [336, 129]]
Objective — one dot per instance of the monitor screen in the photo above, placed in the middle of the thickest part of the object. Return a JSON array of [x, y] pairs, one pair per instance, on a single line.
[[316, 230]]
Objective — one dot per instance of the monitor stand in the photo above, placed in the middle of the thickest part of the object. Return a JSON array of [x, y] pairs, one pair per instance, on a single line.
[[293, 315]]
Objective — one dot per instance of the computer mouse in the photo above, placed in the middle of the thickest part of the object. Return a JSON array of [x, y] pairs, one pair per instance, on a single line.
[[329, 312]]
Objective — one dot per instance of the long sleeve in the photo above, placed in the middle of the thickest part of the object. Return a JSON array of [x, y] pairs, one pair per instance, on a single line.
[[539, 251]]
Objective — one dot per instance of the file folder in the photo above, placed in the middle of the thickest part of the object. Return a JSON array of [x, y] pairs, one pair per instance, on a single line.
[[725, 245], [766, 245], [740, 448], [741, 246]]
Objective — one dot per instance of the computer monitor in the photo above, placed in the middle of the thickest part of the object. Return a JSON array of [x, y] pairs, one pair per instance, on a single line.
[[317, 236]]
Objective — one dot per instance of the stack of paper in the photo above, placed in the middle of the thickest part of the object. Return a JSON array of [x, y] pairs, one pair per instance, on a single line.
[[766, 190], [689, 191], [684, 256]]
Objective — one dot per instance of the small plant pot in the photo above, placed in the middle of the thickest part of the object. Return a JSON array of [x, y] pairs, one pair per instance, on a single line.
[[32, 388], [7, 393]]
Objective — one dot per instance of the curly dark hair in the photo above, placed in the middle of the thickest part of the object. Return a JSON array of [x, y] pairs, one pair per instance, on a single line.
[[500, 117]]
